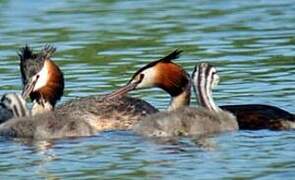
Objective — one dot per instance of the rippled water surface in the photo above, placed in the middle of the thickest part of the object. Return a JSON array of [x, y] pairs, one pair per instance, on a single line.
[[101, 43]]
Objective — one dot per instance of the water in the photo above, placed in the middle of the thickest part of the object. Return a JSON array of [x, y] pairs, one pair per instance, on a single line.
[[101, 43]]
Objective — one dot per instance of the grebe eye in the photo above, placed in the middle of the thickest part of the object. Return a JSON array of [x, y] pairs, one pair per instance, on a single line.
[[140, 77]]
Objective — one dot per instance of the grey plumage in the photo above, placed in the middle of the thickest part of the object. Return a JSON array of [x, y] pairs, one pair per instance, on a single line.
[[186, 121], [83, 117], [48, 125]]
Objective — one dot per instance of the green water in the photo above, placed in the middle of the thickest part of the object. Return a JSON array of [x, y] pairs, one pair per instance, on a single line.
[[100, 44]]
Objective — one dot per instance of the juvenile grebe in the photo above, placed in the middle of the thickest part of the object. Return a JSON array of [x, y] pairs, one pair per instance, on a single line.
[[187, 121], [163, 74], [12, 105]]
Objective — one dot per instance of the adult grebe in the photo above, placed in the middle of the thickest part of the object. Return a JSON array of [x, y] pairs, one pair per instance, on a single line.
[[187, 121], [12, 105], [43, 82], [110, 112]]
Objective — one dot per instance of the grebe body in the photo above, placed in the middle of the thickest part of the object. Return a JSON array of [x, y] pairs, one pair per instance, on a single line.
[[259, 116], [72, 120]]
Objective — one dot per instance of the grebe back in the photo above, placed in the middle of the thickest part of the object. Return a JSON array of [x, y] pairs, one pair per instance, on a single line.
[[261, 116]]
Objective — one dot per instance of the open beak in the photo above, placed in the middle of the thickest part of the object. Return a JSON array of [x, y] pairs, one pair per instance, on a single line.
[[122, 90], [28, 88]]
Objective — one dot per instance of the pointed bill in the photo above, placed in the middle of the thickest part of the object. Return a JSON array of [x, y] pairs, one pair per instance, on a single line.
[[28, 88], [121, 91]]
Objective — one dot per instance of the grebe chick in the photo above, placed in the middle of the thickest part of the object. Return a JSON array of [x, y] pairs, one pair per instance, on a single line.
[[163, 74], [188, 121], [47, 125], [12, 105], [16, 121], [42, 79]]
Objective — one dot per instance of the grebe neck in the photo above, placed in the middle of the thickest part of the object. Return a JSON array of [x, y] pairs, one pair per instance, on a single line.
[[181, 99], [176, 82], [204, 80]]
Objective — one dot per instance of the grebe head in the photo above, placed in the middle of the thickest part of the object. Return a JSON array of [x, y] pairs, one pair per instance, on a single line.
[[205, 78], [164, 74], [12, 105], [42, 79]]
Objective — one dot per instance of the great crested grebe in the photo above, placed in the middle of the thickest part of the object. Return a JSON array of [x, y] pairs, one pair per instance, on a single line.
[[12, 105], [164, 74], [188, 121], [43, 81]]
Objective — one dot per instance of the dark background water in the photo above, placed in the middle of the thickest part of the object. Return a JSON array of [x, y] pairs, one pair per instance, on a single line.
[[101, 43]]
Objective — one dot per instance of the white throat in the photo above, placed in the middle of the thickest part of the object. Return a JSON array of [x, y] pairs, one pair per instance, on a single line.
[[179, 101], [43, 77], [183, 99]]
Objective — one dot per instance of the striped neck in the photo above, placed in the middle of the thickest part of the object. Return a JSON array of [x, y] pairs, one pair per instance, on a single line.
[[15, 104], [205, 79]]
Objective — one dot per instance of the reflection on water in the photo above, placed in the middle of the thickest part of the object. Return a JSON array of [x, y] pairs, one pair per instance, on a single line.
[[252, 44]]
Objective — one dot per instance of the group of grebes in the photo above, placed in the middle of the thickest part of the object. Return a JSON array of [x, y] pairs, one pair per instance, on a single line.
[[43, 82]]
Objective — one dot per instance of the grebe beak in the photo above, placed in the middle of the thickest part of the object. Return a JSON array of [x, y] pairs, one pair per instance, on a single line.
[[28, 88], [122, 90]]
